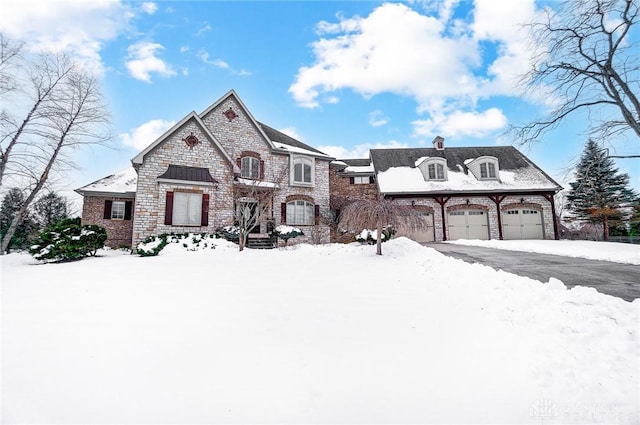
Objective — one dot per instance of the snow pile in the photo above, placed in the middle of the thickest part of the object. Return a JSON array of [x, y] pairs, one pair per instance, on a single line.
[[323, 334], [593, 250]]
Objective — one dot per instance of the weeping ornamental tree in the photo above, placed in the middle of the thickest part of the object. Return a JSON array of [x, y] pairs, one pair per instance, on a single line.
[[377, 214], [600, 194]]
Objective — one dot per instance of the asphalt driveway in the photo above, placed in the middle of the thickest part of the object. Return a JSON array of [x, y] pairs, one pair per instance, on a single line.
[[619, 280]]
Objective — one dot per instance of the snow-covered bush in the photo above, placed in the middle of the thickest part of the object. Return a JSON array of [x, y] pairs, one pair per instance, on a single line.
[[230, 233], [370, 236], [67, 241], [286, 232], [152, 245]]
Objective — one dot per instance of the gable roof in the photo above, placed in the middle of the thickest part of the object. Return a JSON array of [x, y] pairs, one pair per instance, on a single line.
[[398, 174], [278, 137], [139, 158]]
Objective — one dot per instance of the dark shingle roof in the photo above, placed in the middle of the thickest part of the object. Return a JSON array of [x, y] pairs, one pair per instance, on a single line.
[[278, 136], [508, 157], [192, 174], [357, 162]]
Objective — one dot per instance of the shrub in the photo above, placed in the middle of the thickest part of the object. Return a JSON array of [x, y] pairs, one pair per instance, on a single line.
[[230, 233], [152, 245], [286, 232], [68, 241], [370, 236]]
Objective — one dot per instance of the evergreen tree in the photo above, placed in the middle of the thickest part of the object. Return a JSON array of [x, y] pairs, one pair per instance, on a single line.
[[50, 209], [12, 202], [600, 194]]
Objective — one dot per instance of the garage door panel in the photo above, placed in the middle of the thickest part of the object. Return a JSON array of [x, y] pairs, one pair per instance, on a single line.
[[522, 224], [422, 234], [468, 224]]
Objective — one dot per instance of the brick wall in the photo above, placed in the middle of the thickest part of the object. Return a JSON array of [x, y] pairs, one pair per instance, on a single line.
[[119, 232]]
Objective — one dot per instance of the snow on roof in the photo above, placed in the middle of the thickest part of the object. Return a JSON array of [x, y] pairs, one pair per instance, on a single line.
[[123, 182], [411, 180], [361, 169], [296, 149]]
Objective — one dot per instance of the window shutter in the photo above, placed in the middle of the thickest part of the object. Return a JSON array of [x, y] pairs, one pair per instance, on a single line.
[[351, 180], [107, 210], [204, 218], [262, 169], [239, 162], [127, 210], [316, 214], [168, 209], [283, 213], [372, 179]]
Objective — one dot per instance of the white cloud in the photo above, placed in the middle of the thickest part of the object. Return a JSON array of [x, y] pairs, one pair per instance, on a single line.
[[76, 27], [459, 123], [205, 28], [219, 63], [149, 7], [184, 49], [377, 119], [142, 136], [439, 60], [143, 61], [359, 151]]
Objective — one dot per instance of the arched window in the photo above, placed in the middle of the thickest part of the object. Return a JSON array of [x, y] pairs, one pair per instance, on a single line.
[[302, 170], [250, 168], [434, 168], [487, 170]]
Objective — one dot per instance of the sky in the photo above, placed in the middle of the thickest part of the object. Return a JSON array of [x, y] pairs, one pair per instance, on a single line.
[[343, 77]]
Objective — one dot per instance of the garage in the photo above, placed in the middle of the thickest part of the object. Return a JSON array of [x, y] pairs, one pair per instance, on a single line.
[[424, 233], [468, 224], [524, 223]]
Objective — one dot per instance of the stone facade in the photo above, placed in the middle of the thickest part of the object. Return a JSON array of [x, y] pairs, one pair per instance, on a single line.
[[119, 232], [233, 135]]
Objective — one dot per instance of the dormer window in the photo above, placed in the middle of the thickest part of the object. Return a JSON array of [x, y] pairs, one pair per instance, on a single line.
[[433, 169], [436, 172], [487, 170], [484, 168]]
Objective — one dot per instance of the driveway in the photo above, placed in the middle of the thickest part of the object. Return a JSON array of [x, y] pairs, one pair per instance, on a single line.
[[619, 280]]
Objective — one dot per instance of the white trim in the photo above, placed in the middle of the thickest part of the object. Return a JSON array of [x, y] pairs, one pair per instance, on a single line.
[[303, 158]]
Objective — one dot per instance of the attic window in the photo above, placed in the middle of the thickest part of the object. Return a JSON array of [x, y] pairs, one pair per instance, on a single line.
[[484, 168], [434, 169], [487, 170]]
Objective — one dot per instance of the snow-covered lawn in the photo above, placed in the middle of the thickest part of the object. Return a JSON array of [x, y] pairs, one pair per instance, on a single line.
[[605, 251], [323, 334]]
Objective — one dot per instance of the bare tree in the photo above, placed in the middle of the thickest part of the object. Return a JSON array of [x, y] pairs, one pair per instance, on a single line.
[[254, 204], [368, 214], [586, 61], [72, 114]]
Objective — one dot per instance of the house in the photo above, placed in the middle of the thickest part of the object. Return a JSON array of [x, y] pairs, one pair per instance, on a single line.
[[462, 192], [206, 168]]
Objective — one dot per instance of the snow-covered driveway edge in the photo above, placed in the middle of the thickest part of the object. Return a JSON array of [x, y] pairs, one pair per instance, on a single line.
[[593, 250]]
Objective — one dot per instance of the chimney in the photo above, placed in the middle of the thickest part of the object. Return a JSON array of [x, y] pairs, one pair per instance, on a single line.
[[438, 143]]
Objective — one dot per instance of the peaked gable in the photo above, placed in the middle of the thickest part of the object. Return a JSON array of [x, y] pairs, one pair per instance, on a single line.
[[139, 158]]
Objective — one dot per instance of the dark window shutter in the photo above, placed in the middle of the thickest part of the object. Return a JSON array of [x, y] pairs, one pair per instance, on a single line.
[[107, 210], [127, 210], [261, 169], [372, 179], [168, 209], [316, 214], [283, 213], [204, 218], [239, 162], [351, 180]]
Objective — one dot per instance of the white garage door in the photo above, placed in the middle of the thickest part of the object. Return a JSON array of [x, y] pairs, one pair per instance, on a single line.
[[522, 224], [424, 233], [468, 224]]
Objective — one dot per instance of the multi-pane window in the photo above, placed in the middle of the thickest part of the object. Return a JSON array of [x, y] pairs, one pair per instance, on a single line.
[[187, 209], [361, 180], [302, 170], [487, 170], [300, 213], [436, 172], [117, 210], [250, 167]]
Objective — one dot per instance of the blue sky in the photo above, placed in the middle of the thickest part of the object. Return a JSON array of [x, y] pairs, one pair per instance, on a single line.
[[340, 76]]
